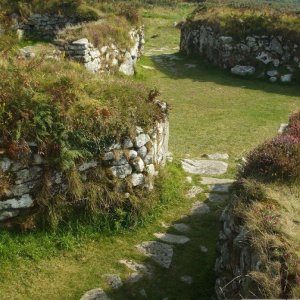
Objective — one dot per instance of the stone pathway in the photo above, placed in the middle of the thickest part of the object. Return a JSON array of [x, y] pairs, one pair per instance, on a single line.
[[204, 167]]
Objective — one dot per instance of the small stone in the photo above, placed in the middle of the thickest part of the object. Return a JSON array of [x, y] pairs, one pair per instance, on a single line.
[[273, 79], [142, 140], [142, 152], [212, 197], [25, 201], [5, 215], [114, 281], [138, 164], [5, 164], [95, 294], [181, 227], [170, 157], [286, 78], [127, 143], [282, 128], [243, 70], [151, 170], [189, 179], [203, 249], [121, 171], [161, 253], [273, 73], [132, 154], [194, 191], [264, 57], [186, 279], [88, 165], [134, 277], [135, 267], [108, 156], [204, 167], [172, 238], [137, 179], [200, 208], [143, 293], [83, 42]]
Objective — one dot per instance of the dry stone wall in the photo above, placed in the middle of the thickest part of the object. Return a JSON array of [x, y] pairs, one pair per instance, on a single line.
[[138, 160], [271, 56], [108, 57]]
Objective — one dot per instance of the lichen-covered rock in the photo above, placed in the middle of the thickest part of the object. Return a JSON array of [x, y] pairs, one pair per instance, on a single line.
[[243, 70]]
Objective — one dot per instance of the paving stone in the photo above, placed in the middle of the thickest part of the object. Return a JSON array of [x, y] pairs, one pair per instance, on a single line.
[[172, 238], [200, 208], [181, 227], [186, 279], [213, 197], [220, 188], [203, 249], [204, 167], [217, 156], [114, 281], [161, 253], [95, 294], [135, 267], [211, 180], [135, 277], [194, 191]]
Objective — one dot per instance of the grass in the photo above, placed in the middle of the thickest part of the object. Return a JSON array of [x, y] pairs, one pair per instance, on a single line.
[[212, 111]]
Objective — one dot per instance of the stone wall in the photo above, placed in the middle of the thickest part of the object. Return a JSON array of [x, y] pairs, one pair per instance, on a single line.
[[45, 26], [137, 160], [108, 57], [272, 56]]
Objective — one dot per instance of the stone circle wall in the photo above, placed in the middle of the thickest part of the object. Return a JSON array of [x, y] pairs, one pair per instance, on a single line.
[[108, 57], [271, 56], [137, 160]]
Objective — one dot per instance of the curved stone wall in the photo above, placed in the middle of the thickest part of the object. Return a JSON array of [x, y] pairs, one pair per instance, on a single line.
[[138, 160], [272, 56]]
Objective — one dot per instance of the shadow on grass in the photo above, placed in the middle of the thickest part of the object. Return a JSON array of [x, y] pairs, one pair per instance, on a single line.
[[188, 260], [178, 66]]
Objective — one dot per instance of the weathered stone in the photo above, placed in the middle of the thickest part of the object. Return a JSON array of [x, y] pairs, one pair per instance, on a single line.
[[151, 170], [203, 249], [181, 227], [127, 67], [286, 78], [132, 154], [264, 57], [172, 238], [95, 294], [135, 277], [29, 174], [114, 281], [142, 139], [134, 266], [273, 79], [272, 73], [88, 165], [283, 128], [204, 167], [142, 152], [5, 164], [194, 191], [137, 179], [161, 253], [5, 215], [121, 171], [24, 202], [186, 279], [243, 70], [213, 197], [81, 42], [138, 165], [200, 208], [108, 156], [217, 156], [213, 181], [189, 179], [127, 143], [276, 46], [226, 39]]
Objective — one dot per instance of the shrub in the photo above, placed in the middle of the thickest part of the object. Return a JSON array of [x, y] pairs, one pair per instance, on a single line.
[[130, 12], [249, 190], [278, 159]]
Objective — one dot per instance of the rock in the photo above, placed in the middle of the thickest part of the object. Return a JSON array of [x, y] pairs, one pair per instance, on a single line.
[[282, 128], [82, 42], [142, 139], [114, 281], [172, 238], [127, 67], [189, 179], [161, 253], [190, 66], [213, 197], [200, 208], [211, 180], [264, 57], [108, 156], [95, 294], [276, 46], [138, 164], [5, 164], [217, 156], [273, 79], [127, 143], [134, 266], [226, 39], [203, 249], [286, 78], [204, 167], [243, 70], [151, 170], [147, 67], [134, 277], [187, 279], [24, 202], [137, 179], [143, 293], [132, 154], [121, 171], [194, 191], [5, 215], [142, 152], [26, 175], [272, 73], [170, 157], [181, 227], [87, 166]]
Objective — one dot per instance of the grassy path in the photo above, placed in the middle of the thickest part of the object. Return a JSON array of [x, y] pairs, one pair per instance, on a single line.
[[211, 112]]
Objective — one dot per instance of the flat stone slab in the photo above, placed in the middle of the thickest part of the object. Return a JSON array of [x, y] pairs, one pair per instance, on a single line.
[[114, 281], [211, 180], [147, 67], [219, 188], [172, 238], [204, 167], [161, 253], [134, 266], [181, 227], [186, 279], [213, 197], [194, 191], [217, 156], [200, 208], [95, 294]]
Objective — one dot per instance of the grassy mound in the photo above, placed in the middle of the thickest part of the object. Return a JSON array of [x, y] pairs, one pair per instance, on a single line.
[[241, 22]]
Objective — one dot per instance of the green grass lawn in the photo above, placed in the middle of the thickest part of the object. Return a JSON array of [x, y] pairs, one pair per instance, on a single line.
[[212, 111]]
